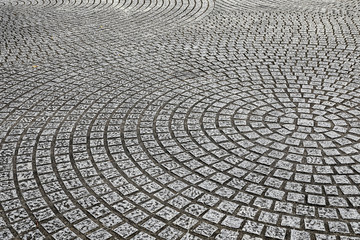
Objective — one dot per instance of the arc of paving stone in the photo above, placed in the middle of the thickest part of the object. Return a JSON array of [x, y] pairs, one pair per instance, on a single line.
[[142, 11], [320, 6], [209, 154], [71, 21]]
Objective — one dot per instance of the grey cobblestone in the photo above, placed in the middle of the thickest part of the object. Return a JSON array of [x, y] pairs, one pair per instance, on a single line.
[[193, 119]]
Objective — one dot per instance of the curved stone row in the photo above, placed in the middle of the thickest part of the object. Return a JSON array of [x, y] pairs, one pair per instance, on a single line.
[[37, 31], [243, 125], [351, 7]]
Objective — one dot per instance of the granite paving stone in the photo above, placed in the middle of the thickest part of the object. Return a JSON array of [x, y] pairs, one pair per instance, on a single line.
[[174, 119]]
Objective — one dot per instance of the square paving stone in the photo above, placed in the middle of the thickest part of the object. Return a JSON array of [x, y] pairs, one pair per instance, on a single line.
[[248, 237], [227, 235], [284, 207], [177, 186], [167, 213], [209, 200], [268, 217], [164, 194], [316, 200], [85, 226], [355, 201], [256, 189], [123, 206], [125, 230], [110, 220], [350, 190], [356, 227], [136, 216], [99, 234], [227, 206], [247, 212], [296, 197], [314, 224], [208, 185], [338, 227], [253, 227], [195, 209], [205, 229], [324, 237], [243, 197], [153, 225], [36, 234], [337, 202], [233, 222], [143, 236], [192, 192], [294, 186], [213, 216], [349, 213], [53, 225], [170, 233], [275, 232], [220, 177], [299, 235], [290, 221], [185, 221], [63, 234], [225, 192], [189, 236], [152, 205], [6, 234], [179, 202], [263, 202], [274, 193], [327, 213]]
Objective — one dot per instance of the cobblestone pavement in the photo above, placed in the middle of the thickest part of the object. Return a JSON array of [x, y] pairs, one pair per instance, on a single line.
[[174, 119]]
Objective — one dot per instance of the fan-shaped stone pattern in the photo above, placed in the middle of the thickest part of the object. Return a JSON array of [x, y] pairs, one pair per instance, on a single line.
[[35, 30], [317, 6], [242, 125]]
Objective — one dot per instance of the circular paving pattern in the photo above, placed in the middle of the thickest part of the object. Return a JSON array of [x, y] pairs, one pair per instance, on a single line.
[[180, 120], [36, 30], [318, 6]]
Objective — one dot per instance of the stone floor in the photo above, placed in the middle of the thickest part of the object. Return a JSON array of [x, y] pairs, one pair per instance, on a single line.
[[180, 119]]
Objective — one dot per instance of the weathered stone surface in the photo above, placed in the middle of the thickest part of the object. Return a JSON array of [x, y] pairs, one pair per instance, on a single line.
[[232, 119]]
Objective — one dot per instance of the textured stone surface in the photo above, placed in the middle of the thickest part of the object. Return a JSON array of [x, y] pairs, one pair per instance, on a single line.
[[233, 119]]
